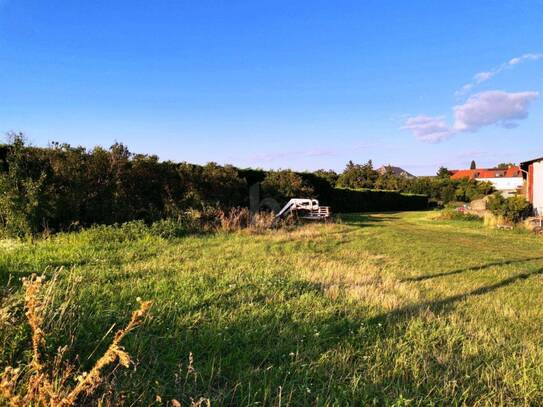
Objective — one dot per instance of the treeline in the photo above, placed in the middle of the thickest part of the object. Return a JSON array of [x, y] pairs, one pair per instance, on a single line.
[[63, 187], [439, 189]]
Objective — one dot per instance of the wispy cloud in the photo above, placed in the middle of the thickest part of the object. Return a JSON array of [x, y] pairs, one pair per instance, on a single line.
[[484, 76], [480, 110], [429, 129]]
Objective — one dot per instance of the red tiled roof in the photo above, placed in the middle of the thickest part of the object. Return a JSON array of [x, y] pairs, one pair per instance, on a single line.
[[511, 172]]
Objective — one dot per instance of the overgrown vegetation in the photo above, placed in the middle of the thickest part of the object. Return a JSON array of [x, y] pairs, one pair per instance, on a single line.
[[452, 213], [390, 309], [59, 188], [512, 209], [57, 383], [63, 188]]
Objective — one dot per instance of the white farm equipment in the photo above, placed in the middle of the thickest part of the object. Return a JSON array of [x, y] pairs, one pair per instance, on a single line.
[[305, 209]]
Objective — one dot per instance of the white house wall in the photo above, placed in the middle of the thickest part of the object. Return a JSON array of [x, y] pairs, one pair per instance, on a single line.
[[504, 183], [538, 187]]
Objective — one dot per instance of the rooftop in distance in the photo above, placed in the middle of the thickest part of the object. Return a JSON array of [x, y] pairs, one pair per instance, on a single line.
[[512, 171], [397, 171]]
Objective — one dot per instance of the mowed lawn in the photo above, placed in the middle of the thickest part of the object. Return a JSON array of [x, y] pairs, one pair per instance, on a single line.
[[380, 309]]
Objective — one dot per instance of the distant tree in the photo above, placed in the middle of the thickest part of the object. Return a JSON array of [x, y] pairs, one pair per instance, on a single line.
[[212, 184], [329, 175], [504, 166], [388, 180], [285, 184], [473, 165], [448, 193], [443, 172], [358, 176]]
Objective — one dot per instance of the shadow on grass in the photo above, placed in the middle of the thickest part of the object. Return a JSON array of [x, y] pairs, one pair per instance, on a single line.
[[473, 268], [368, 219], [442, 304], [243, 357], [257, 353]]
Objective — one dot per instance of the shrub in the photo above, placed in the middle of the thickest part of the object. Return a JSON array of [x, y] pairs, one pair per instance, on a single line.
[[23, 199], [60, 186], [512, 209], [451, 213], [186, 223], [286, 184]]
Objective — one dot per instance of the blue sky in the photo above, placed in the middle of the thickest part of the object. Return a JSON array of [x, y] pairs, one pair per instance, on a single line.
[[279, 84]]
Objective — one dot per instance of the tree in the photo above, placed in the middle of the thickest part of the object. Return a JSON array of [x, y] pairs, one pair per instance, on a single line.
[[329, 175], [443, 172], [388, 180], [473, 165], [285, 184], [504, 166], [358, 176], [23, 204]]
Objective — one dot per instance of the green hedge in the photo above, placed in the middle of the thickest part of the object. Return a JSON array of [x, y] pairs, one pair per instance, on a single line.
[[345, 200], [368, 200], [62, 187]]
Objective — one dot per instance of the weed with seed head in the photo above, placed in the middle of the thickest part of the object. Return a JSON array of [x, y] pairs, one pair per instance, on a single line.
[[37, 386]]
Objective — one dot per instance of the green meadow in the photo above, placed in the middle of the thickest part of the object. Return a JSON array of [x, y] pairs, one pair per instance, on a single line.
[[375, 309]]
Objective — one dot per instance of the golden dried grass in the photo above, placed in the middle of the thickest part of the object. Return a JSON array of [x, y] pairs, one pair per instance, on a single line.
[[37, 386]]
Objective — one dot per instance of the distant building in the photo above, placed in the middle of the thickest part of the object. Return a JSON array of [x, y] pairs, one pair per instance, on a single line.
[[508, 181], [397, 171], [532, 172]]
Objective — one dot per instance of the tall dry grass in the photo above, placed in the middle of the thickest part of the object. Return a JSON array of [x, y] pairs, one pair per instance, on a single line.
[[241, 219], [58, 385]]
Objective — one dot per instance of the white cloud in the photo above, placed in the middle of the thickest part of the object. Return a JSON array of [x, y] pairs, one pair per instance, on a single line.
[[486, 75], [483, 76], [429, 129], [480, 110], [492, 107], [525, 57]]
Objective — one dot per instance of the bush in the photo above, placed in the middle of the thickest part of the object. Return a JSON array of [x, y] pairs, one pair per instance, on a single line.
[[286, 184], [451, 213], [59, 187], [446, 190], [512, 209], [170, 228], [23, 195]]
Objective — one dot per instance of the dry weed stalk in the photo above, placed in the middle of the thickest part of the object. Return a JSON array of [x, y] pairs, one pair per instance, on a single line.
[[236, 219], [40, 388]]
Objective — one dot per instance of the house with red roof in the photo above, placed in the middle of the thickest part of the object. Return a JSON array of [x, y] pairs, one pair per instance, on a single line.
[[509, 181]]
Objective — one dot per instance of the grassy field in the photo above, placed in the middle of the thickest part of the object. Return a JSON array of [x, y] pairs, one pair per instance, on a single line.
[[380, 309]]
